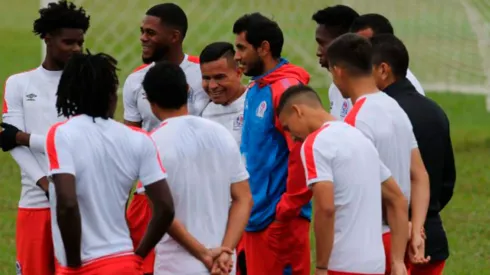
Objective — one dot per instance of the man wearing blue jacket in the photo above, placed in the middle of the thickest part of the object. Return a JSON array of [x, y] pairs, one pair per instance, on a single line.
[[277, 235]]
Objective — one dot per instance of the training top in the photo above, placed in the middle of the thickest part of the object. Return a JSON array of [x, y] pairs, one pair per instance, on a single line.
[[106, 157]]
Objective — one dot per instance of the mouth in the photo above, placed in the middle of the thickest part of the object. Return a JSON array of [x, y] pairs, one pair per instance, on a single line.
[[146, 48]]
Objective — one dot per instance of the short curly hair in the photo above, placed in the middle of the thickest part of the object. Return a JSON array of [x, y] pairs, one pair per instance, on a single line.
[[60, 15]]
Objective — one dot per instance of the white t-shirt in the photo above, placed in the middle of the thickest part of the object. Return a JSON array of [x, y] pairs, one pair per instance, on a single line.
[[340, 106], [30, 105], [230, 116], [203, 161], [381, 119], [136, 106], [340, 154], [106, 158]]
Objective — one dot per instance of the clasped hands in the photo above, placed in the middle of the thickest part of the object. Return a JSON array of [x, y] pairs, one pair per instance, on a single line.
[[218, 260]]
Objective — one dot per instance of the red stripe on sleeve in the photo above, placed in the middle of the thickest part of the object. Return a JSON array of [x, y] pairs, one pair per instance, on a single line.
[[51, 147], [5, 107], [309, 155], [148, 134], [193, 59], [351, 117]]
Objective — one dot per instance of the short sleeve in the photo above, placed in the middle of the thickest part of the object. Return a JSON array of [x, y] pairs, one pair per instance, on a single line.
[[317, 164], [131, 112], [385, 173], [59, 152], [237, 163], [413, 141], [150, 166]]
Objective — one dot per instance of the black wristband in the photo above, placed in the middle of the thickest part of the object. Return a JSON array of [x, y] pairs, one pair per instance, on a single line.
[[322, 267]]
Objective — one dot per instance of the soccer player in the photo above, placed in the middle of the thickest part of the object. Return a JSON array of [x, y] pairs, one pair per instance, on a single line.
[[383, 121], [332, 22], [431, 129], [221, 80], [162, 34], [277, 234], [205, 169], [349, 184], [29, 107], [93, 162]]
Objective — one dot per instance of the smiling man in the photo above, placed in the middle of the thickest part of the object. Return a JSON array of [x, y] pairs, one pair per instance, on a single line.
[[221, 81]]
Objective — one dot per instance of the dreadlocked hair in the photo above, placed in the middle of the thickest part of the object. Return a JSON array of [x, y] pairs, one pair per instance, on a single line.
[[87, 85], [60, 15]]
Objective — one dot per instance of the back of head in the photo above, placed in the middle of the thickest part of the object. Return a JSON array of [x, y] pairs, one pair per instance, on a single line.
[[60, 15], [298, 93], [336, 19], [258, 29], [388, 49], [170, 15], [376, 22], [215, 51], [88, 86], [351, 52], [166, 86]]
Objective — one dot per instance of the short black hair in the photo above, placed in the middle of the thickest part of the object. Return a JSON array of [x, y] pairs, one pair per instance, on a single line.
[[353, 52], [294, 91], [60, 15], [377, 22], [215, 51], [87, 85], [388, 49], [165, 85], [171, 15], [258, 29], [337, 19]]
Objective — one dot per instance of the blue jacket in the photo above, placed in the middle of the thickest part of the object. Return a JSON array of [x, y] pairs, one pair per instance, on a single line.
[[272, 158]]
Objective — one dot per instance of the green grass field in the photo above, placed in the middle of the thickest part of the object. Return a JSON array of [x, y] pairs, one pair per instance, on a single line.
[[443, 48]]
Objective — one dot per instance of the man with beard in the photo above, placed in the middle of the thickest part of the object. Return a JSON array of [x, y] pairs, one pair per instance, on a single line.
[[277, 234], [162, 33]]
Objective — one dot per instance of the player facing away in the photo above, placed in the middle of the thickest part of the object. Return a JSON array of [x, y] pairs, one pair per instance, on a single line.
[[277, 235], [221, 79], [163, 30], [93, 162], [29, 107], [205, 169], [349, 183], [383, 121], [331, 23], [431, 129]]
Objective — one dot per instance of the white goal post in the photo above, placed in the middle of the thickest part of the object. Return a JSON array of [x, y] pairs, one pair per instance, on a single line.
[[449, 44]]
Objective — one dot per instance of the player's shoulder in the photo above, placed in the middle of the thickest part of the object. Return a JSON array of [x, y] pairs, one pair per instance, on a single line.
[[138, 73], [21, 77], [190, 64]]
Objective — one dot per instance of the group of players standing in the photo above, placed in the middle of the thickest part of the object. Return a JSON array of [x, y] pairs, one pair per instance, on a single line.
[[240, 194]]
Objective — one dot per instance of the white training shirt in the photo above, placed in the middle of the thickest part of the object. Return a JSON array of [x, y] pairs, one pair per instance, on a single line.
[[106, 157], [340, 154], [340, 106], [381, 119], [30, 105], [203, 161], [230, 116], [136, 106]]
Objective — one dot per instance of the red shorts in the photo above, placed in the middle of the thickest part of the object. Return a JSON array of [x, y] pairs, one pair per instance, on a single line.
[[387, 246], [280, 245], [434, 268], [139, 216], [34, 242], [347, 273], [118, 265]]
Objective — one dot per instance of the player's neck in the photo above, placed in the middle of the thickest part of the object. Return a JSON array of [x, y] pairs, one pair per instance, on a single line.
[[362, 86], [319, 120], [166, 114], [175, 56], [270, 64], [237, 95], [50, 65]]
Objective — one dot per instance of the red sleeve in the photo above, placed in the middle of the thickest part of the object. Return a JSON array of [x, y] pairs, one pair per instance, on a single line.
[[297, 193]]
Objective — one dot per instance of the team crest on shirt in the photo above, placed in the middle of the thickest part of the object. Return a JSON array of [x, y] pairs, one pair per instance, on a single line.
[[18, 268], [261, 109], [31, 97], [238, 122], [345, 109]]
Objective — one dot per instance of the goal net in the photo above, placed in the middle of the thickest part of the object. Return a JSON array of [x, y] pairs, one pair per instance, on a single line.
[[448, 40]]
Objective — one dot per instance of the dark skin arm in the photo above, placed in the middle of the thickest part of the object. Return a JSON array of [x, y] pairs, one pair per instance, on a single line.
[[162, 216], [133, 124], [68, 217]]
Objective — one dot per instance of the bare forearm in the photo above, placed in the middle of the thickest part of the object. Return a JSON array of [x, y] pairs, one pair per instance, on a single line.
[[70, 225], [324, 237], [237, 221], [159, 224], [420, 198], [178, 232], [397, 216]]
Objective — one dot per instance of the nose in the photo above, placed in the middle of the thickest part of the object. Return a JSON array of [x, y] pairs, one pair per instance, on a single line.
[[319, 51], [213, 84], [237, 56], [143, 37], [77, 48]]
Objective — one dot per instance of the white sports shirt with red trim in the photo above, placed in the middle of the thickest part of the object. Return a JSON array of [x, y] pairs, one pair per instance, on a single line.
[[106, 157], [341, 154], [29, 104], [381, 119], [136, 106]]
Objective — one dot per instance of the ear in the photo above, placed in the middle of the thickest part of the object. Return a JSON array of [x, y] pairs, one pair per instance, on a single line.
[[264, 48], [176, 36], [297, 110], [48, 39], [385, 70]]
